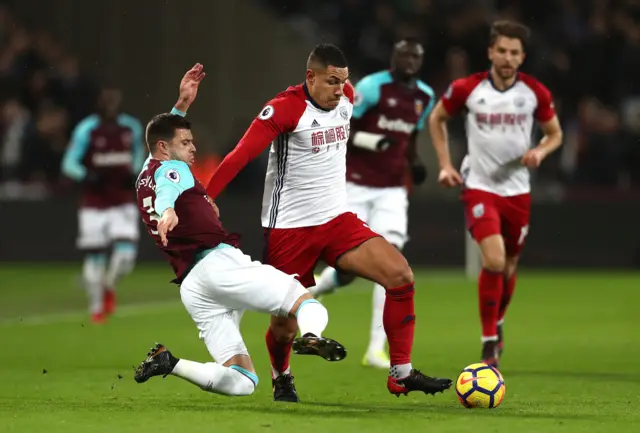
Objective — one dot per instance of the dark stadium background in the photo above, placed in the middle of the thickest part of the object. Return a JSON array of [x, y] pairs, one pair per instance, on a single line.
[[53, 58]]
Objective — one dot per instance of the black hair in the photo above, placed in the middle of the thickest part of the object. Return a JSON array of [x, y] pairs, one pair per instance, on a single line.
[[326, 55], [162, 127]]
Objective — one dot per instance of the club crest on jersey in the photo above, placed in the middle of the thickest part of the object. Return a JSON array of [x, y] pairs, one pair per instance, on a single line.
[[173, 176], [419, 106], [343, 113], [266, 112], [519, 101]]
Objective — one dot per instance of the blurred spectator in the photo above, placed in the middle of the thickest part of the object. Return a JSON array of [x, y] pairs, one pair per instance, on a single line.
[[43, 94]]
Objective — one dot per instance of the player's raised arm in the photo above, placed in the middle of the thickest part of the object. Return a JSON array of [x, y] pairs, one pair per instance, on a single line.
[[277, 117], [189, 89]]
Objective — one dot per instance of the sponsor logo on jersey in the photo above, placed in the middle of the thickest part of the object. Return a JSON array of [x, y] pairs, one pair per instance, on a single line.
[[110, 159], [395, 125]]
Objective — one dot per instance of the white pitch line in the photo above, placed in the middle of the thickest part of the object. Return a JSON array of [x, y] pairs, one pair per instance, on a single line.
[[75, 316]]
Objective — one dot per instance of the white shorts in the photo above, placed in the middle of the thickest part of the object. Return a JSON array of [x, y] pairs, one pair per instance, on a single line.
[[100, 227], [383, 209], [225, 283]]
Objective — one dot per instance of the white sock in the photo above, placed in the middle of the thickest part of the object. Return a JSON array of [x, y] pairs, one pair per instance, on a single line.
[[93, 274], [400, 371], [327, 282], [378, 337], [312, 317], [122, 261], [215, 378]]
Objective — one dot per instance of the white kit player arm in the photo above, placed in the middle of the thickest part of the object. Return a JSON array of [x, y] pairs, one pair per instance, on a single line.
[[452, 102], [545, 114], [274, 119]]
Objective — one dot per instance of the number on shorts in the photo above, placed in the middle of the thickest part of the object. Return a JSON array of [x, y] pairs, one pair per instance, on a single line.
[[524, 231], [147, 204]]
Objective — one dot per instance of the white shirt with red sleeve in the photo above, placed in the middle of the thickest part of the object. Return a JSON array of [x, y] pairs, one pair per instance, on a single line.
[[305, 183], [499, 126]]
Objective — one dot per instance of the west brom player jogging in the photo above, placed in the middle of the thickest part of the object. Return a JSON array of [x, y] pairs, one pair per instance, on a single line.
[[501, 107]]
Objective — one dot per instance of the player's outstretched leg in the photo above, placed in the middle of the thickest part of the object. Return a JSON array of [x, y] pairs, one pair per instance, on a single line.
[[122, 262], [378, 260], [311, 318], [212, 377]]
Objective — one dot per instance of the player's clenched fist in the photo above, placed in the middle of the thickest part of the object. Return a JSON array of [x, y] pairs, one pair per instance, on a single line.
[[449, 177], [533, 158], [167, 222]]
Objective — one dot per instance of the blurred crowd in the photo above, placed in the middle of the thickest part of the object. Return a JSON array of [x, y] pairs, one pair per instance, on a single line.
[[586, 51], [43, 94]]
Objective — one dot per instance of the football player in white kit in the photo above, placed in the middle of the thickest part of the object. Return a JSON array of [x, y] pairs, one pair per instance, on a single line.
[[306, 218], [391, 108], [501, 106]]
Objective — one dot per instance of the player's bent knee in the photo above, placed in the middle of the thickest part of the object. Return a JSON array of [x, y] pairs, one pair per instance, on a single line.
[[400, 274], [245, 382], [244, 387], [494, 262]]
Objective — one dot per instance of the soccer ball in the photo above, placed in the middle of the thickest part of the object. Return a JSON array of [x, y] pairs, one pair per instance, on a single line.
[[480, 385]]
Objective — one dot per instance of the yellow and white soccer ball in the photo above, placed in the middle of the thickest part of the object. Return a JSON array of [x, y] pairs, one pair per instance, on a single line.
[[480, 385]]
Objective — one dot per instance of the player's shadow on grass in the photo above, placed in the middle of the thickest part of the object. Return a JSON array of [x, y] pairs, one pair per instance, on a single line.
[[360, 410], [413, 408], [585, 376]]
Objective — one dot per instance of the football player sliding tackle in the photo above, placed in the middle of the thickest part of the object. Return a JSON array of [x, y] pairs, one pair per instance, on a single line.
[[217, 281], [501, 106], [390, 109], [306, 218]]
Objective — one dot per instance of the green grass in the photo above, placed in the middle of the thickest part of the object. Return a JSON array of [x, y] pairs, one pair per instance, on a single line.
[[570, 362]]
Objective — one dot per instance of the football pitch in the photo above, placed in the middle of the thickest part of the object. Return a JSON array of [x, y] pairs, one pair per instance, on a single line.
[[571, 360]]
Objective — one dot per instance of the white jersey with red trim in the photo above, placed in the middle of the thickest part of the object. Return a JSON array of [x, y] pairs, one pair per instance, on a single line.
[[499, 126], [305, 183]]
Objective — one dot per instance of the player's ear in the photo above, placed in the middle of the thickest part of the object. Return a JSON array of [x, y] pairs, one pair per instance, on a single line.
[[311, 76]]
